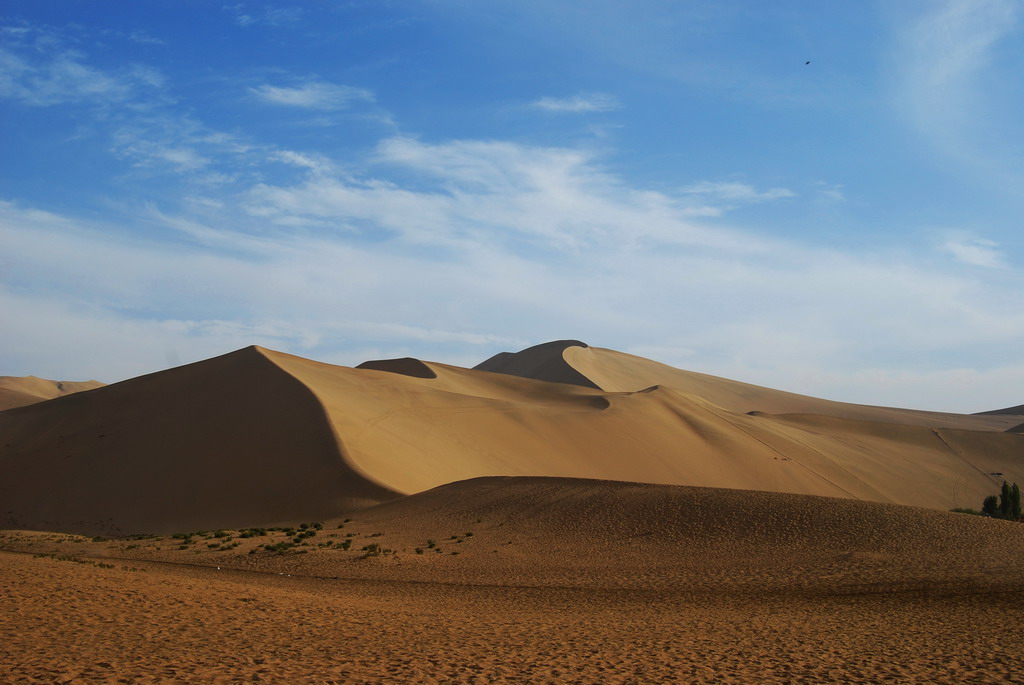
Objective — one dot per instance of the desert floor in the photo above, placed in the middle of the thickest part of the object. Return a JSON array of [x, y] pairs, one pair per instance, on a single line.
[[880, 594], [157, 622]]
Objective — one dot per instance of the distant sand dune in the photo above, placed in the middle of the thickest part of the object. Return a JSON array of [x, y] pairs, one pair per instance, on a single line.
[[18, 391]]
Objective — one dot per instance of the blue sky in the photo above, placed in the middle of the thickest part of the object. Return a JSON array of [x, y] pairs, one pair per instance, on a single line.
[[448, 179]]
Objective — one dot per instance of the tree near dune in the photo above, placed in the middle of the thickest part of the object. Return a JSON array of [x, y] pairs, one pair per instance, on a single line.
[[1005, 501], [990, 507], [1004, 506]]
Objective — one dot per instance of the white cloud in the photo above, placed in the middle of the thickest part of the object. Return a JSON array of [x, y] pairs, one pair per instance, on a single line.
[[497, 193], [145, 38], [583, 102], [306, 161], [975, 251], [314, 95], [61, 78], [736, 192], [270, 16], [832, 192]]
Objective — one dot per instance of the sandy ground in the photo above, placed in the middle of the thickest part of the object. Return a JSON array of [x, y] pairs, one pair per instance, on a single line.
[[72, 622], [560, 581]]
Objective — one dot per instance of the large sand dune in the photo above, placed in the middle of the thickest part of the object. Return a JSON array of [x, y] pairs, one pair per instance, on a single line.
[[257, 437]]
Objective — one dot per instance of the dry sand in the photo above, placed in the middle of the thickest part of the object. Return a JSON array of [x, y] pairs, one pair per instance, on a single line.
[[560, 581]]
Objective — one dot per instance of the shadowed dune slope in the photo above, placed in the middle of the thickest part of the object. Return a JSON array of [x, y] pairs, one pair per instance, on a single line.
[[575, 533], [1014, 411], [570, 524], [229, 441], [20, 391]]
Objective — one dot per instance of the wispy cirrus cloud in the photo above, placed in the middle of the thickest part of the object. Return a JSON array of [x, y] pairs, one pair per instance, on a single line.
[[951, 72], [580, 103], [269, 16], [494, 192], [313, 95], [729, 191], [975, 251], [61, 78]]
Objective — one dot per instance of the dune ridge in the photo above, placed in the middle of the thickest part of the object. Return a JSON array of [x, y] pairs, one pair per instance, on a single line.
[[615, 371], [544, 362]]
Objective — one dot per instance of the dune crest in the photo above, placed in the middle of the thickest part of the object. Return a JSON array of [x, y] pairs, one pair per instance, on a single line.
[[544, 362]]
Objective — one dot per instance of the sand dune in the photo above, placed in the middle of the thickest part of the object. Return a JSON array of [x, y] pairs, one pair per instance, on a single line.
[[257, 437], [1016, 411], [19, 391], [228, 441], [619, 372]]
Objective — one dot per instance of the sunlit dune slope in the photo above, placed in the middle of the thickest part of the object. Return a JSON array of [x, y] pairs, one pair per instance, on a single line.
[[228, 441], [414, 425], [19, 391]]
